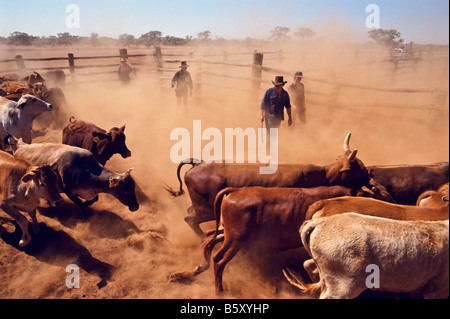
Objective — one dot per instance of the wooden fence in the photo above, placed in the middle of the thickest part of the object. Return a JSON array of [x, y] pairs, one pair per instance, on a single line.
[[162, 66]]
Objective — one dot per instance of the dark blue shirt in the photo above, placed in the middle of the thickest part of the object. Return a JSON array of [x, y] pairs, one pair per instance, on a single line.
[[274, 104]]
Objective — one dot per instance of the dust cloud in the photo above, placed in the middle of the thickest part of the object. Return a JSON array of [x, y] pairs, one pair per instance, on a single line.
[[134, 253]]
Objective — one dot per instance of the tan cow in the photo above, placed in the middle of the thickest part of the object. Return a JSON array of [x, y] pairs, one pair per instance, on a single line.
[[374, 207], [355, 252], [21, 187], [434, 198]]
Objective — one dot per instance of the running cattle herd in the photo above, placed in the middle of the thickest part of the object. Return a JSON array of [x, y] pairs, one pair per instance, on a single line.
[[346, 215]]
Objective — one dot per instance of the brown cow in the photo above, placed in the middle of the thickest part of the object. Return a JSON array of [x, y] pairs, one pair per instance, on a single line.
[[205, 180], [101, 143], [21, 187], [270, 216], [356, 252], [406, 183]]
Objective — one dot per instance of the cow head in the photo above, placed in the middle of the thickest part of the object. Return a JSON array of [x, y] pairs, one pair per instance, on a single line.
[[122, 187], [46, 180], [348, 170], [32, 105], [33, 78], [112, 142]]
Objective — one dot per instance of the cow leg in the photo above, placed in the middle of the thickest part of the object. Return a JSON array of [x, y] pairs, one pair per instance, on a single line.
[[208, 246], [74, 198], [193, 220], [36, 227], [22, 221], [223, 256], [311, 269]]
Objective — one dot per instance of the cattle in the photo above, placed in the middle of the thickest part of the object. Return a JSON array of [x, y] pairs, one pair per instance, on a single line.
[[402, 256], [81, 176], [21, 187], [16, 118], [374, 207], [205, 180], [434, 198], [55, 96], [406, 183], [270, 216], [32, 78], [56, 77], [3, 92], [101, 143]]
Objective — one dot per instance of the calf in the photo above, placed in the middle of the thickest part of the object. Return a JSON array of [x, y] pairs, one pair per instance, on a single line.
[[270, 216], [16, 118], [81, 176], [21, 187], [101, 143], [410, 256]]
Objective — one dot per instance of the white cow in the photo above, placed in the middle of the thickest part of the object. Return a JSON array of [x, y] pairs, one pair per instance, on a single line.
[[407, 256], [16, 118]]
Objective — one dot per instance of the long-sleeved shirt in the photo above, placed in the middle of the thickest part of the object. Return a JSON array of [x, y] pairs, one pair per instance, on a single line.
[[274, 104], [182, 80]]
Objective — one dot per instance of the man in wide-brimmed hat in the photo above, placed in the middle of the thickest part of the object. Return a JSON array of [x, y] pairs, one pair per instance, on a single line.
[[124, 70], [181, 83], [272, 106], [297, 93]]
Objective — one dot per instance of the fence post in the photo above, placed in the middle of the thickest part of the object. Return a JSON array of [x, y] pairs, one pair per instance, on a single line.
[[123, 53], [72, 66], [257, 69], [198, 78], [20, 64], [158, 59]]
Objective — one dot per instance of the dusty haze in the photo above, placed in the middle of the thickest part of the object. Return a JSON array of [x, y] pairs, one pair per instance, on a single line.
[[140, 262]]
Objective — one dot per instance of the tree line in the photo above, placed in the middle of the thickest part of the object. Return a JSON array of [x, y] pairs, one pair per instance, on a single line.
[[387, 38]]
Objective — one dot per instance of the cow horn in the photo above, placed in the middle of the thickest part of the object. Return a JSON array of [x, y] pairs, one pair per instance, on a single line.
[[128, 171], [347, 141], [352, 156]]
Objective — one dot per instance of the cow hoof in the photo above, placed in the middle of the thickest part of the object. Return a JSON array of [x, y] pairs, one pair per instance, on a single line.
[[24, 241]]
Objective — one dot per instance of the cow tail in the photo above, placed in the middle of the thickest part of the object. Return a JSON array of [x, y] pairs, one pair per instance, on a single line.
[[173, 193], [296, 280], [313, 288], [218, 203]]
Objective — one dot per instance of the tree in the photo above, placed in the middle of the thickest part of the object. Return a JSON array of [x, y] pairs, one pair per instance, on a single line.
[[127, 39], [389, 38], [204, 35], [20, 38], [279, 33], [304, 33], [151, 38]]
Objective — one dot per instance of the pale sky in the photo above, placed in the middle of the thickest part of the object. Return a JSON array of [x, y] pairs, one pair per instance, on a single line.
[[421, 21]]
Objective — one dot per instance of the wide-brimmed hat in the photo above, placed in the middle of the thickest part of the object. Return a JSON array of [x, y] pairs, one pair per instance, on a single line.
[[279, 80], [184, 64], [298, 74]]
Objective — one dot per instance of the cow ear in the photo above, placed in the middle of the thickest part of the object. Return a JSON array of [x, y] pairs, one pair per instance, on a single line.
[[22, 104], [30, 175], [99, 135]]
